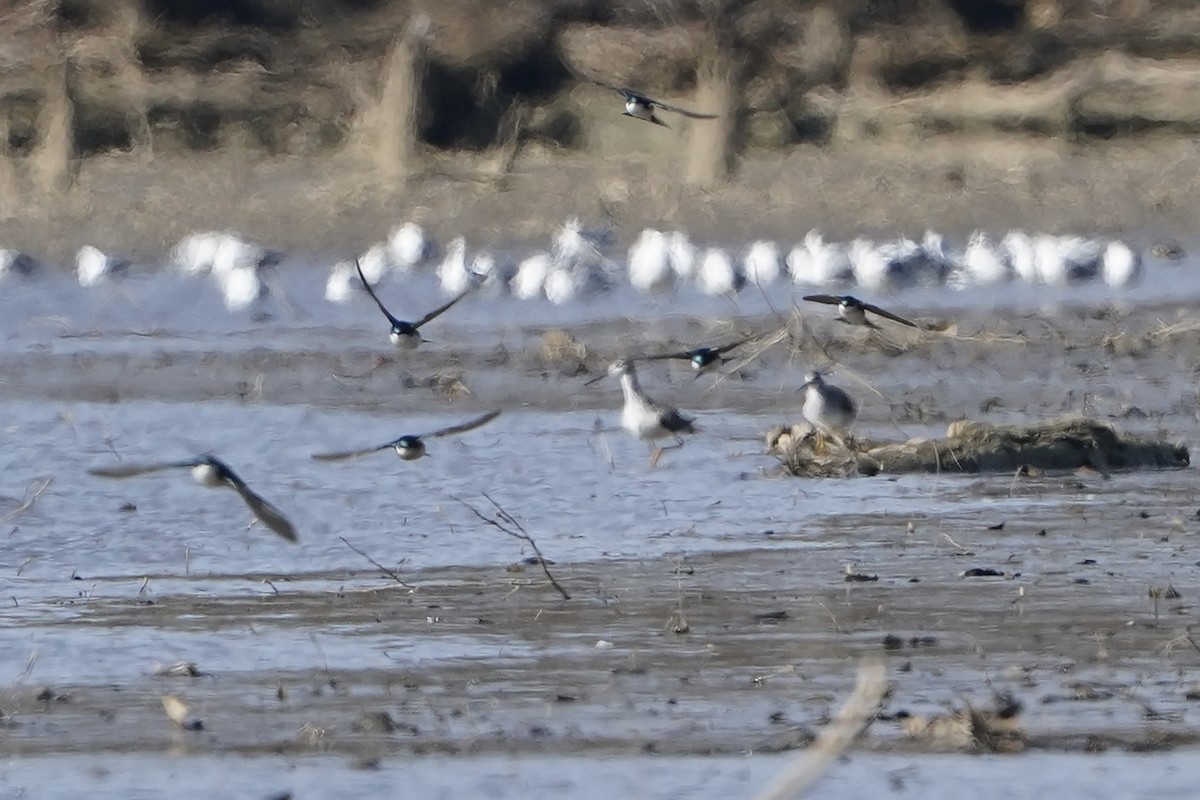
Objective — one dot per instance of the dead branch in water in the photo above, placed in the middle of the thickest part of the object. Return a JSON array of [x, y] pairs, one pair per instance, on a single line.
[[30, 499], [389, 572], [855, 715], [506, 524]]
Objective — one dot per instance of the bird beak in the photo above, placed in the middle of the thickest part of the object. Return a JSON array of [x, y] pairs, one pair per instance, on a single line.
[[596, 379]]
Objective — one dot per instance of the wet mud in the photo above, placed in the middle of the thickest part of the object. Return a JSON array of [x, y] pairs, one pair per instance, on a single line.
[[717, 606]]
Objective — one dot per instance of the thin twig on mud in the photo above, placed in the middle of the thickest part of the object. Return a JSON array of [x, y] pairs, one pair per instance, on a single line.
[[852, 719], [506, 524], [29, 500], [389, 572]]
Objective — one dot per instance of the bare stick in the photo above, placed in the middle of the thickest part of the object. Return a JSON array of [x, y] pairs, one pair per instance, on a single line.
[[29, 499], [389, 572], [506, 524], [852, 719]]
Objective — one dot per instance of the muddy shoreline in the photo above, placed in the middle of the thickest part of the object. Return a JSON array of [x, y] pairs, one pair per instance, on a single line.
[[691, 655]]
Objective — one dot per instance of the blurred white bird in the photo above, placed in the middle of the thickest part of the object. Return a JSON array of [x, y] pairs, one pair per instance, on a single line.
[[376, 263], [1062, 260], [762, 263], [194, 254], [650, 262], [339, 287], [1121, 266], [452, 272], [984, 262], [92, 266], [820, 263], [240, 286], [717, 274], [531, 276], [683, 255], [408, 247], [1021, 255]]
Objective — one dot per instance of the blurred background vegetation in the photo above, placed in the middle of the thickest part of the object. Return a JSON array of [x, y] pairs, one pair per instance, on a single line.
[[400, 87]]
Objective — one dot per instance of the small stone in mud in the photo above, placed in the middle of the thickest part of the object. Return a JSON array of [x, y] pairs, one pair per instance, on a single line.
[[982, 572], [770, 616], [859, 577], [1081, 581], [127, 508], [999, 526], [375, 722], [923, 641], [565, 698], [1042, 532], [48, 695], [180, 669], [534, 561], [1193, 693], [778, 717], [1087, 562], [892, 642]]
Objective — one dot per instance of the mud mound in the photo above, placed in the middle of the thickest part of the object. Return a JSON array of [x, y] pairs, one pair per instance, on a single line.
[[978, 447]]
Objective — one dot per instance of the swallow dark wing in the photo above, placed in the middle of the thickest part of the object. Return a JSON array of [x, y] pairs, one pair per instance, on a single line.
[[367, 285], [888, 315], [440, 309], [267, 514], [684, 356], [463, 427], [684, 111], [132, 470], [827, 299], [346, 455], [619, 89], [725, 348]]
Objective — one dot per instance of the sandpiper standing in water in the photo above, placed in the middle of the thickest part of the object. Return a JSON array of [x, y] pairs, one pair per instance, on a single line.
[[208, 470], [827, 408], [643, 417], [406, 335]]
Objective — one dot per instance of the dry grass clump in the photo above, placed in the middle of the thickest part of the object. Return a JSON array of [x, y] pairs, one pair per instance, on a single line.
[[561, 351], [979, 447], [993, 730]]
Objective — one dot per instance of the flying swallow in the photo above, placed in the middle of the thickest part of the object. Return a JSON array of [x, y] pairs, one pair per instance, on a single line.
[[406, 335], [208, 470], [853, 311], [410, 447], [702, 359], [639, 106]]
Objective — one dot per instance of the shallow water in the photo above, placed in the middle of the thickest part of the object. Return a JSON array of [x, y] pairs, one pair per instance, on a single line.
[[863, 776], [475, 651]]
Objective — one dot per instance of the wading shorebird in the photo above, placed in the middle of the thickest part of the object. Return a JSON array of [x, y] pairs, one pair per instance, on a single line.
[[853, 311], [644, 418], [406, 335], [702, 359], [410, 447], [208, 470], [639, 106], [827, 408]]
